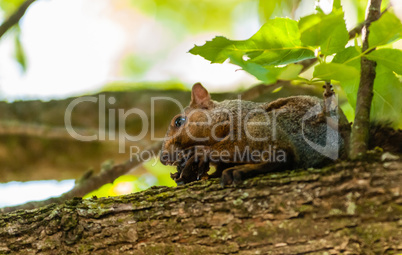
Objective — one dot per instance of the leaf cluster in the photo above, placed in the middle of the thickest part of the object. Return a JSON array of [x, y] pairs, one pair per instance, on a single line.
[[275, 51]]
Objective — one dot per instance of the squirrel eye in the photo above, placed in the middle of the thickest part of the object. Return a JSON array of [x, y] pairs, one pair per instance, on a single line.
[[179, 121]]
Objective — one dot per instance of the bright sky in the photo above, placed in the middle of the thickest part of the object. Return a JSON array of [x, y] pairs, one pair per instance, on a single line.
[[21, 192], [75, 46], [69, 50]]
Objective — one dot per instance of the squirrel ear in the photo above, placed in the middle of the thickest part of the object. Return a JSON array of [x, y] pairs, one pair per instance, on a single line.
[[200, 97]]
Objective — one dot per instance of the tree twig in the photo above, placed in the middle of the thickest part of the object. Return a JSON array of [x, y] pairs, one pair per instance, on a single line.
[[15, 17], [91, 182], [360, 129], [358, 29]]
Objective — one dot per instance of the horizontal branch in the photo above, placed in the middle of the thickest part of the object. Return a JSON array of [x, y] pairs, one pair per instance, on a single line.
[[40, 130], [347, 208]]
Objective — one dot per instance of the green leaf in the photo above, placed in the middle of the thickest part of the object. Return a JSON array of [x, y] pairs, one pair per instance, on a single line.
[[268, 74], [385, 30], [19, 52], [290, 72], [277, 8], [348, 76], [350, 87], [276, 43], [216, 51], [336, 5], [327, 31], [267, 7], [190, 15], [334, 71], [390, 58], [387, 104], [10, 6], [349, 56]]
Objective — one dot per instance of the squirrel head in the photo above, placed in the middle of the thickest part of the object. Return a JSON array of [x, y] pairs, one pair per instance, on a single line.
[[192, 127]]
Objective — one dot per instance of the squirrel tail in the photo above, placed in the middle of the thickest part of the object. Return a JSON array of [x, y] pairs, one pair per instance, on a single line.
[[384, 136]]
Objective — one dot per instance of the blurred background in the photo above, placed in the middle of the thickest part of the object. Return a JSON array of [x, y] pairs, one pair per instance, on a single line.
[[129, 50]]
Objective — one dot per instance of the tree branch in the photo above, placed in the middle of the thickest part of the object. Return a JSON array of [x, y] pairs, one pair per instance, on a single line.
[[358, 29], [88, 183], [361, 126], [15, 17], [40, 130], [347, 208]]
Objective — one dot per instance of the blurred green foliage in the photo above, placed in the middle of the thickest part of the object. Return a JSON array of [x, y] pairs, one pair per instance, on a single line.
[[193, 15], [157, 175], [10, 6], [135, 66], [7, 8], [283, 41], [278, 8], [132, 86]]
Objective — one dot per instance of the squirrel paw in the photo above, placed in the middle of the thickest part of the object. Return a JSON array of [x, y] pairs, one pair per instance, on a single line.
[[192, 166], [237, 174]]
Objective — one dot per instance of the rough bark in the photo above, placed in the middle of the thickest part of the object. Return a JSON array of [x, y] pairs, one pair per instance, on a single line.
[[360, 129], [349, 208]]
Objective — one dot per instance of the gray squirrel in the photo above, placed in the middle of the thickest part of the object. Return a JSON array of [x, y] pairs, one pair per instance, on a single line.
[[243, 139]]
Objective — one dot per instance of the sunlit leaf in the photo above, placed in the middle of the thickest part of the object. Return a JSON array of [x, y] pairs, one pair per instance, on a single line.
[[267, 7], [276, 43], [277, 8], [387, 103], [336, 5], [350, 87], [361, 6], [193, 15], [334, 71], [385, 30], [327, 31], [348, 56], [216, 51], [348, 110], [19, 52], [348, 76], [290, 72], [135, 65], [10, 6], [266, 74], [390, 58]]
